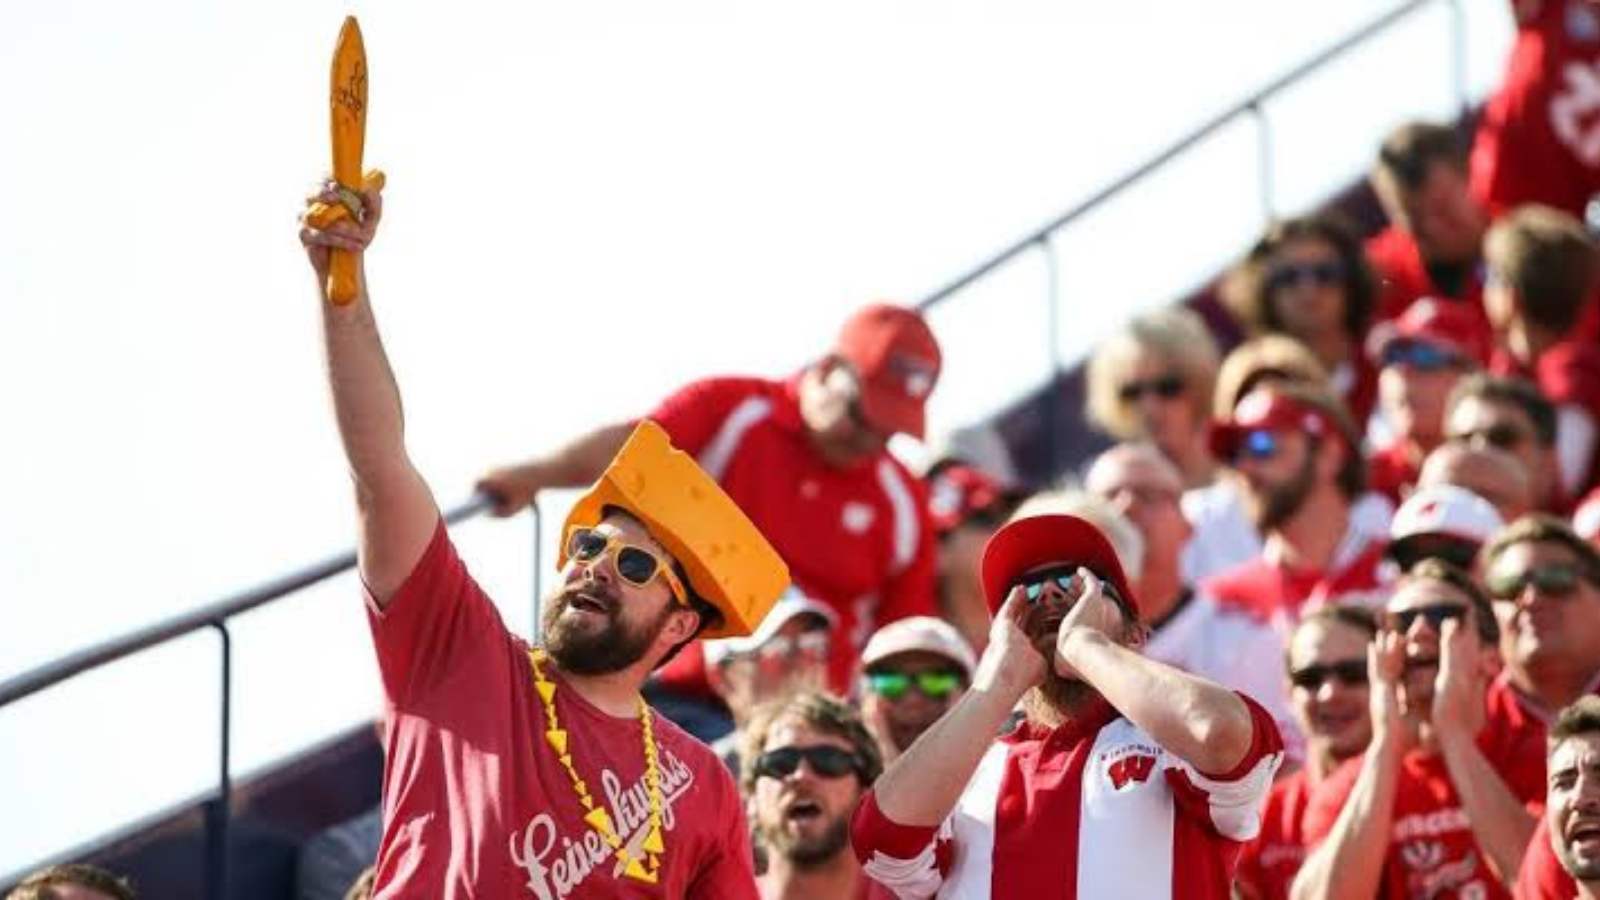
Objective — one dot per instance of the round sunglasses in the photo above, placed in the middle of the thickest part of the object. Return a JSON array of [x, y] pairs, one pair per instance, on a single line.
[[825, 760], [637, 565]]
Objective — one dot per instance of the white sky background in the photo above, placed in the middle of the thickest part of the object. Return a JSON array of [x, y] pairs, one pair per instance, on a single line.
[[588, 204]]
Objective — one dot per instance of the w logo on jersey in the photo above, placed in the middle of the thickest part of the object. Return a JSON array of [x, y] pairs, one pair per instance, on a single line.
[[1132, 769]]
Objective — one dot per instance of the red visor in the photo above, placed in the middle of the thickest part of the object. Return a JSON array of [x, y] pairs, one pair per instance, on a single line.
[[1271, 411]]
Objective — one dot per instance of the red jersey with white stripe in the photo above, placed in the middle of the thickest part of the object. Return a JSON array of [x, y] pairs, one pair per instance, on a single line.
[[1432, 853], [857, 539], [1092, 810], [1267, 865], [1539, 138]]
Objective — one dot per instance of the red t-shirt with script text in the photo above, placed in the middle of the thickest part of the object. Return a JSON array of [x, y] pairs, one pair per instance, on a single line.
[[1267, 865], [475, 802]]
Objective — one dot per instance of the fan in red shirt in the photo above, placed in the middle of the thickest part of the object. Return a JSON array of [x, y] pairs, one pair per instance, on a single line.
[[1433, 246], [1563, 859], [1542, 276], [1308, 278], [1510, 415], [1437, 807], [1327, 663], [521, 770], [1298, 456], [806, 459], [1422, 354], [1128, 778], [1539, 138]]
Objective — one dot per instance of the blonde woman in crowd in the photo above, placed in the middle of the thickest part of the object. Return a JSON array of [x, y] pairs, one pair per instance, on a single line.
[[1153, 382]]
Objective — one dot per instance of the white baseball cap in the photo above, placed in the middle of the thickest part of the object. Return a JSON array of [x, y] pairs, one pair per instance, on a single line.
[[1445, 509], [791, 604], [919, 633]]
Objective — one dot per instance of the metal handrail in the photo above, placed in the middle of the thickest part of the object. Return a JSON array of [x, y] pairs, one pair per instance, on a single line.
[[216, 615], [1251, 106]]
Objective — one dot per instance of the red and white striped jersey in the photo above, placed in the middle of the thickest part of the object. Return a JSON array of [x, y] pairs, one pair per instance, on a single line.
[[1094, 809]]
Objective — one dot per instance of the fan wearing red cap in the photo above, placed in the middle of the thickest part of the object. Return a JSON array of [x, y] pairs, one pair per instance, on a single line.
[[1115, 750], [1299, 463], [806, 459], [1422, 355]]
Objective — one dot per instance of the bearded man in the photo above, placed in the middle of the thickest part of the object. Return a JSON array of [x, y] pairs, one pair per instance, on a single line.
[[1298, 456], [808, 758], [516, 770], [1127, 778]]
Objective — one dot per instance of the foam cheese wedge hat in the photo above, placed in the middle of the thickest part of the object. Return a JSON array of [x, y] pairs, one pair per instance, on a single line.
[[729, 562]]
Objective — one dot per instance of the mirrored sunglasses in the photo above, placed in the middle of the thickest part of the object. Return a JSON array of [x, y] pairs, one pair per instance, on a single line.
[[935, 685]]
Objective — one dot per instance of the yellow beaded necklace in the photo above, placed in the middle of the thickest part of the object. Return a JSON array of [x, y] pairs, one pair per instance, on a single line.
[[647, 866]]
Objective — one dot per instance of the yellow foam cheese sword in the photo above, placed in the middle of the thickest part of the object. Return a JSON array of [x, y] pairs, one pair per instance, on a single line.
[[347, 107]]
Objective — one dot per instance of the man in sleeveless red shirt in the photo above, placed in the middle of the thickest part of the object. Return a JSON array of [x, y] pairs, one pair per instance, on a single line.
[[516, 770]]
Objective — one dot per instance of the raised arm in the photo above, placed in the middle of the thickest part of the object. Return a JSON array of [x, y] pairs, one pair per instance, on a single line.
[[577, 464], [922, 786], [396, 512], [1199, 721], [1501, 825], [1348, 863]]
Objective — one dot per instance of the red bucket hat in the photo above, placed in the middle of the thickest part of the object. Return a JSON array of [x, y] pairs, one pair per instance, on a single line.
[[1039, 540]]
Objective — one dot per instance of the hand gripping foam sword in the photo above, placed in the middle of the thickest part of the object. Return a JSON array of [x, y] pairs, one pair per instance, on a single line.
[[347, 106]]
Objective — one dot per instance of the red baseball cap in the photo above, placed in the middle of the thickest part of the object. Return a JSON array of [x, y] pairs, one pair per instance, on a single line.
[[958, 492], [1267, 410], [1450, 325], [1040, 540], [897, 360]]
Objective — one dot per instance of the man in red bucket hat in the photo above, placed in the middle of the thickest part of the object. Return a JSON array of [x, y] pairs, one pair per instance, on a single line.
[[1127, 777], [806, 459]]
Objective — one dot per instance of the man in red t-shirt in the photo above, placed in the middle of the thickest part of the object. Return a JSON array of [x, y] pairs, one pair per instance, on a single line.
[[1327, 668], [514, 770], [1128, 778], [1299, 459], [1437, 806], [1563, 859], [1545, 582], [1433, 246], [1422, 355], [1542, 275], [806, 460], [1539, 138]]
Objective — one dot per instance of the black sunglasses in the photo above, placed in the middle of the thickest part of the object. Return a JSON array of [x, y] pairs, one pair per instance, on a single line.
[[1291, 274], [1349, 672], [1502, 435], [1167, 387], [1554, 579], [1436, 614], [825, 760]]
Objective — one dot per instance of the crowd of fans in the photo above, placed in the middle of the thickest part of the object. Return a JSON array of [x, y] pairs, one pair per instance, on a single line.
[[1376, 516]]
